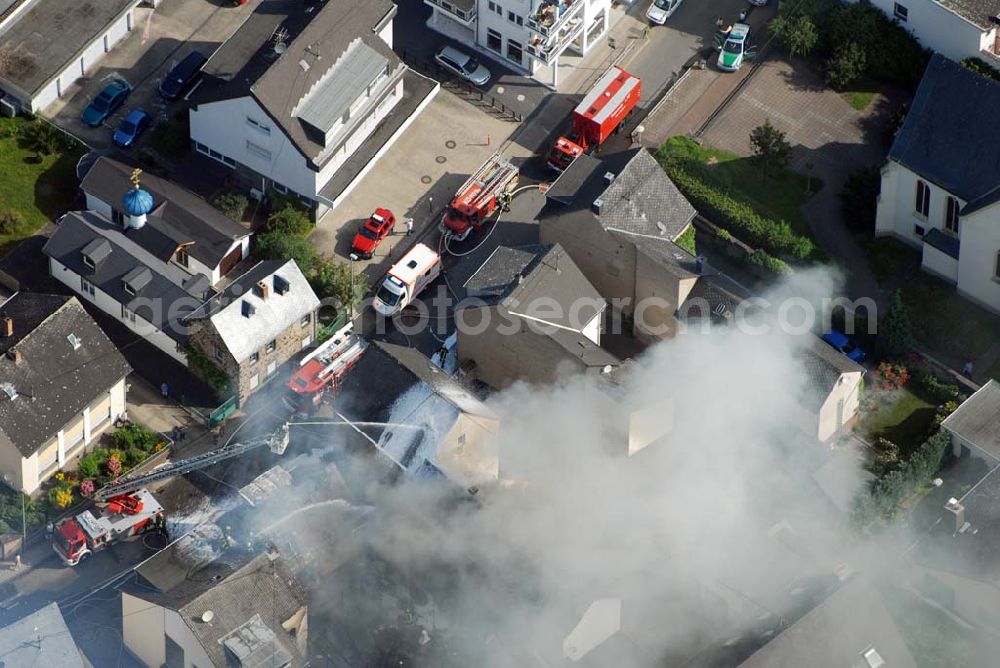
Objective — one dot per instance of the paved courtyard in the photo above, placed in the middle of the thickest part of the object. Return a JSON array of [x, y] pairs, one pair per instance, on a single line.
[[159, 38]]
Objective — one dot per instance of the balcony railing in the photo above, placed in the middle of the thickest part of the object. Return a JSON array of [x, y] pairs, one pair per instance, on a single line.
[[552, 15], [547, 49], [463, 10]]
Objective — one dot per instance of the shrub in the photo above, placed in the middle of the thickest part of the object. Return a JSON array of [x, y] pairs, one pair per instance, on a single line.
[[889, 376], [334, 279], [134, 435], [980, 66], [895, 336], [90, 463], [859, 198], [936, 389], [289, 220], [774, 236], [797, 34], [770, 148], [232, 204], [206, 369], [114, 464], [886, 455], [11, 222], [134, 457], [42, 138], [278, 246], [762, 260], [87, 487], [846, 65]]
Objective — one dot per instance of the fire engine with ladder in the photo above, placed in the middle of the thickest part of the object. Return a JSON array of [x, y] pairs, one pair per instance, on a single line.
[[320, 372], [489, 188], [598, 116], [127, 509]]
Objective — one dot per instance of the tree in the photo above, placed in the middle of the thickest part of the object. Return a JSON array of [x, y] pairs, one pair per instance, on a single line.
[[279, 246], [289, 220], [895, 336], [859, 198], [337, 281], [770, 147], [847, 64], [797, 34]]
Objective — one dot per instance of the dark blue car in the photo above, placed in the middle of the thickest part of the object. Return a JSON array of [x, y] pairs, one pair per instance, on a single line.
[[844, 345], [131, 127], [106, 103], [182, 75]]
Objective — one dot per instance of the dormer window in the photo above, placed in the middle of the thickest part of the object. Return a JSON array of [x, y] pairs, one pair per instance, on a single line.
[[95, 251], [280, 285], [182, 257], [89, 261], [136, 280]]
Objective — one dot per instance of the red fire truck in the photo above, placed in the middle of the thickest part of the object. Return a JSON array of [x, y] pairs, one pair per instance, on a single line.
[[125, 516], [597, 117], [491, 186], [320, 371]]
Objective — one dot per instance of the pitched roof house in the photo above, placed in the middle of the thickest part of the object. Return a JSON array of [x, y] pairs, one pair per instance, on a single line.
[[436, 428], [62, 384], [259, 322], [956, 29], [528, 314], [618, 219], [304, 96], [831, 397], [975, 425], [49, 44], [192, 605], [40, 639], [941, 183]]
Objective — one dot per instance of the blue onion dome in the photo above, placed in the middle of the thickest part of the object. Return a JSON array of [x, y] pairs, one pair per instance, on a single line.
[[137, 202]]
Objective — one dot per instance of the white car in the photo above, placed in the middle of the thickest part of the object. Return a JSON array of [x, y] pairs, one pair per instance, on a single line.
[[661, 10]]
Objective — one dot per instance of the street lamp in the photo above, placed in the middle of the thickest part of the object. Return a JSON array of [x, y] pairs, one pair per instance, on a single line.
[[350, 300], [9, 478]]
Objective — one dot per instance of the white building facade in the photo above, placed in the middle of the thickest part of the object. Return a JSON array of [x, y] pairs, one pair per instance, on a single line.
[[528, 36], [956, 30]]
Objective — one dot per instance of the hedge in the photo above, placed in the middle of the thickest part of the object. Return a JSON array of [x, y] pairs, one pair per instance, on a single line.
[[980, 66], [762, 260], [881, 501], [774, 236]]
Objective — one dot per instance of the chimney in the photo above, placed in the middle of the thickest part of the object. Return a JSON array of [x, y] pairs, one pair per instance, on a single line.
[[14, 354], [958, 510], [596, 206], [263, 289], [8, 326], [701, 264], [609, 177]]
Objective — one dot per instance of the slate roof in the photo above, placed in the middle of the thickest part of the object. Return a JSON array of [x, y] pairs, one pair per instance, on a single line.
[[240, 589], [179, 217], [977, 420], [245, 320], [318, 34], [949, 135], [641, 206], [823, 366], [521, 278], [170, 294], [945, 243], [837, 633], [50, 34], [977, 11], [40, 639], [54, 382], [715, 296]]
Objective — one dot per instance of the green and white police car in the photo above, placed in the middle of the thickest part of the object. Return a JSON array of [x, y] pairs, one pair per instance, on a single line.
[[734, 48]]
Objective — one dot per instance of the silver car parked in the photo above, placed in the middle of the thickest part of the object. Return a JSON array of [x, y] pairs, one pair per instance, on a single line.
[[463, 65]]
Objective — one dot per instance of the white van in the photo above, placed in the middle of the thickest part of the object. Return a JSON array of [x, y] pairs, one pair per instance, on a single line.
[[414, 272]]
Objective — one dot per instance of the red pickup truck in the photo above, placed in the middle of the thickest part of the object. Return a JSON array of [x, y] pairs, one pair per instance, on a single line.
[[376, 228]]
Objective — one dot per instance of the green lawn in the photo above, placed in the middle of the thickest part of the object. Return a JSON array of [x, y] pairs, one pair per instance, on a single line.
[[904, 421], [886, 256], [860, 93], [945, 322], [39, 191], [781, 195]]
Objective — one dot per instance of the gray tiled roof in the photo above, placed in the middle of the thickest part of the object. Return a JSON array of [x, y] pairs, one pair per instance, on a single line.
[[39, 639], [179, 217], [54, 382], [949, 135], [170, 292], [247, 64], [324, 106], [247, 330], [977, 11], [823, 367], [977, 420], [48, 35]]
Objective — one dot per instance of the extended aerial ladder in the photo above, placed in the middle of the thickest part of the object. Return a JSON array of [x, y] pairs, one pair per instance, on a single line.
[[320, 371], [489, 186], [277, 442]]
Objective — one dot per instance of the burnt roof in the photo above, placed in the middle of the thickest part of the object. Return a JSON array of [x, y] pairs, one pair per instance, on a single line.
[[315, 33], [179, 217], [53, 380]]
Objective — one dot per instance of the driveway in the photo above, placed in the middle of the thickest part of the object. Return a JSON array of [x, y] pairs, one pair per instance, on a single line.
[[159, 38], [830, 139]]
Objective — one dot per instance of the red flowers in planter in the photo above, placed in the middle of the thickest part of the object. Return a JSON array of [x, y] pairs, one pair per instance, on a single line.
[[891, 376]]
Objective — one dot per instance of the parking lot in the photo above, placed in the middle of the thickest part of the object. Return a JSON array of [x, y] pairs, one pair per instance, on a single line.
[[159, 38]]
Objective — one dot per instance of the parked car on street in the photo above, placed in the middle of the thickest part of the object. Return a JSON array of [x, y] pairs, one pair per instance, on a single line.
[[182, 75], [734, 48], [661, 10], [131, 127], [378, 226], [843, 344], [463, 65], [106, 103]]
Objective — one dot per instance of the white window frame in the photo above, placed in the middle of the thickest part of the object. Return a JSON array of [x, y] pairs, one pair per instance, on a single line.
[[520, 47], [258, 151], [128, 315], [922, 201], [490, 32], [260, 127], [951, 222], [900, 12], [88, 287]]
